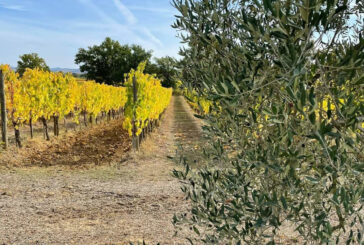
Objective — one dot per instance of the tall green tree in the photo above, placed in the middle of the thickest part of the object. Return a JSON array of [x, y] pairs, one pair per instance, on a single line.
[[31, 61], [109, 61], [166, 69], [286, 81]]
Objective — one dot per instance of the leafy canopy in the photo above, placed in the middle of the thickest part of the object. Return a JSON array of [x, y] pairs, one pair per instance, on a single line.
[[31, 61], [285, 79], [109, 61], [166, 69]]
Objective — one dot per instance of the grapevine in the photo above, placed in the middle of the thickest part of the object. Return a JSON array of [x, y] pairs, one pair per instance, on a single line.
[[152, 99], [42, 95], [198, 103]]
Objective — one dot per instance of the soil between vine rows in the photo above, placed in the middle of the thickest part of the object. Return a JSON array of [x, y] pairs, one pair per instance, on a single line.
[[86, 188]]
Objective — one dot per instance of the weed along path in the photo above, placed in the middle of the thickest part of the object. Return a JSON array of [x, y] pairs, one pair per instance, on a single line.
[[116, 202]]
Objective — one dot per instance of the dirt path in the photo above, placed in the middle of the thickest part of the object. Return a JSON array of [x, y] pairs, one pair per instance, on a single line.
[[126, 202]]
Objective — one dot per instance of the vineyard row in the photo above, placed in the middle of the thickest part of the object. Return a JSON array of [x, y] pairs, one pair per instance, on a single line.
[[41, 95]]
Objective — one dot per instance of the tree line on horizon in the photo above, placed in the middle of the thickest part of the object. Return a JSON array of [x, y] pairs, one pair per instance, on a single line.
[[110, 61]]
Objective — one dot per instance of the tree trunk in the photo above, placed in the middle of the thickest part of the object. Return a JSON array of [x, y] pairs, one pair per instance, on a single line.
[[109, 116], [46, 134]]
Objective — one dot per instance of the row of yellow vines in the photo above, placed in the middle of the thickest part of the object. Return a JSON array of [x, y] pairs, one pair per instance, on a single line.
[[42, 94], [152, 99]]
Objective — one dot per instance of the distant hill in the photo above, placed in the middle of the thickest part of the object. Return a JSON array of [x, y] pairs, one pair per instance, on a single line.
[[66, 70], [57, 69]]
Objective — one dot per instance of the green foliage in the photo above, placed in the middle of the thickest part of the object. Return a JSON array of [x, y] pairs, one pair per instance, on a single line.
[[31, 61], [166, 69], [108, 62], [286, 137]]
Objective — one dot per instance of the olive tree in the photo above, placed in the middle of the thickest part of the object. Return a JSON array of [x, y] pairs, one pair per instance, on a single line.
[[286, 80]]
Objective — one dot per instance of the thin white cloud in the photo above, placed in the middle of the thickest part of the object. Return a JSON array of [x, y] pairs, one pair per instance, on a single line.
[[12, 6], [116, 26], [129, 28], [171, 50], [125, 12], [151, 9], [153, 38], [99, 12]]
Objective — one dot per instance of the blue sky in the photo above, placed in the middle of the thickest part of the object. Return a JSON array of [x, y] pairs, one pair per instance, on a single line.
[[56, 29]]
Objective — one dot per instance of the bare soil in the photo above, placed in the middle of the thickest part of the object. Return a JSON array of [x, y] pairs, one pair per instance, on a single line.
[[89, 188], [86, 148]]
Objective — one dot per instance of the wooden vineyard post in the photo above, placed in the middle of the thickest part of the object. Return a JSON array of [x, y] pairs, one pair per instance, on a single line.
[[65, 124], [31, 126], [4, 121], [135, 98]]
